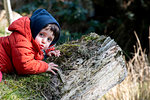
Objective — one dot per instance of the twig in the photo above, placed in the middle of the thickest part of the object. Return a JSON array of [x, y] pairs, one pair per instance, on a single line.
[[44, 96], [149, 44], [140, 47], [61, 76]]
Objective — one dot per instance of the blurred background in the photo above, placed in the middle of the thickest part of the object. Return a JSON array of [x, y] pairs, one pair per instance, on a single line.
[[115, 18], [119, 19]]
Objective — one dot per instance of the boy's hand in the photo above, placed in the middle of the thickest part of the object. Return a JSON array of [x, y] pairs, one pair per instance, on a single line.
[[55, 53], [52, 67]]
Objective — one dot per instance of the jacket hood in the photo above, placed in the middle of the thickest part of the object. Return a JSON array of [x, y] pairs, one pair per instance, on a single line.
[[39, 19], [22, 26]]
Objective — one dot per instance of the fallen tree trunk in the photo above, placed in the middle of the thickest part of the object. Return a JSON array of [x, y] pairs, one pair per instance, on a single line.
[[89, 68]]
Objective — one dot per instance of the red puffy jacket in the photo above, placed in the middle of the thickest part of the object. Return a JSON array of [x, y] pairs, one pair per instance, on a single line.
[[19, 52]]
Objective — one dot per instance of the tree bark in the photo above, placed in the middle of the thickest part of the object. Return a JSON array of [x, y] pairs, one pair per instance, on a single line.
[[89, 67]]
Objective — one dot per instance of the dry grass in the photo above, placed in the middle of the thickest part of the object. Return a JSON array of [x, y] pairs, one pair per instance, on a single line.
[[136, 86]]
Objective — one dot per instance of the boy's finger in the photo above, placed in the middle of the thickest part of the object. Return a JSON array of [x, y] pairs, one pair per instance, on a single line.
[[54, 68], [53, 72], [58, 54], [51, 53], [54, 65], [51, 63]]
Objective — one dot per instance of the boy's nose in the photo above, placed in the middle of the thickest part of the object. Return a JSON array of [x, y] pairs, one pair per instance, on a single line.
[[44, 41]]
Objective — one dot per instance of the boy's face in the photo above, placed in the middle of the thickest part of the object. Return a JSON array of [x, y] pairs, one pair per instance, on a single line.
[[44, 38]]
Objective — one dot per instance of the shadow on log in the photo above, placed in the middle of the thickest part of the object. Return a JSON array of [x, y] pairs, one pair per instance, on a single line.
[[89, 67]]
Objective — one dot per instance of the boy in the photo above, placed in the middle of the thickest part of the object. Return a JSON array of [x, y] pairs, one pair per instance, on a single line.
[[22, 51]]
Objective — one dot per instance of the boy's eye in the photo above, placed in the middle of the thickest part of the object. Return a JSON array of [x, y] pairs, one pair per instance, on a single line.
[[41, 34], [49, 39]]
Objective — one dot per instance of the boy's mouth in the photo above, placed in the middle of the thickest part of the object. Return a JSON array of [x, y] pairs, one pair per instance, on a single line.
[[41, 46]]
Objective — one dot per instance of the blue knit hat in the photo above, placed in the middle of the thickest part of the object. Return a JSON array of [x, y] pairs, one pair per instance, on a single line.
[[39, 19]]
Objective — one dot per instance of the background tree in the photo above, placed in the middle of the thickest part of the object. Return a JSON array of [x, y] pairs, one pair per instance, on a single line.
[[7, 6]]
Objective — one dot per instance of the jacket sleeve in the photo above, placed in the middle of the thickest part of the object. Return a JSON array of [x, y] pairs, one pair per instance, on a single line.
[[49, 49], [24, 61]]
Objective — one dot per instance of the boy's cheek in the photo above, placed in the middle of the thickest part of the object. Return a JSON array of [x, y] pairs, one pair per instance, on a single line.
[[46, 47]]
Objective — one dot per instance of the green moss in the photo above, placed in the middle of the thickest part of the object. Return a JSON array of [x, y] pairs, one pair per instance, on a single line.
[[14, 87], [87, 38], [67, 49]]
